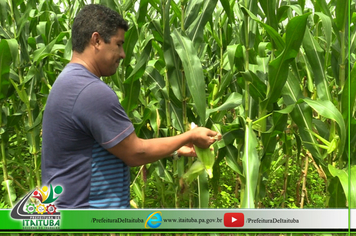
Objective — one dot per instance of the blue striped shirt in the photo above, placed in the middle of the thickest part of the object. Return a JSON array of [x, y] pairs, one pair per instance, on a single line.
[[82, 119], [110, 180]]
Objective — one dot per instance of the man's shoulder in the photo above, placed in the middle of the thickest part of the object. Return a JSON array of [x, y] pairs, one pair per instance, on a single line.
[[76, 71], [75, 78]]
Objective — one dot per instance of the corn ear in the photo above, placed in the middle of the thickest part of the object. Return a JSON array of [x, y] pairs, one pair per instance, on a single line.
[[194, 171], [206, 156]]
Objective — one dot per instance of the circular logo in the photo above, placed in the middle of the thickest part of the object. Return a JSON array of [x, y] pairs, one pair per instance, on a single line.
[[51, 209], [154, 220], [31, 208], [40, 209]]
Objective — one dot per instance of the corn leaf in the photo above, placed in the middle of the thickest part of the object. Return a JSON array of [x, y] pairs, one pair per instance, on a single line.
[[231, 159], [132, 83], [277, 68], [269, 8], [173, 64], [337, 197], [5, 62], [327, 29], [195, 29], [328, 110], [234, 100], [352, 182], [276, 38], [131, 38], [10, 192], [342, 12], [142, 13], [316, 59], [269, 138], [193, 71], [192, 12], [48, 49], [301, 115], [257, 88], [137, 190], [251, 165], [176, 116], [343, 176], [349, 94], [163, 172], [194, 171], [203, 190]]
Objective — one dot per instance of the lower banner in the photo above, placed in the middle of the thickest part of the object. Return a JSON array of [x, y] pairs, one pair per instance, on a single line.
[[37, 211], [176, 219]]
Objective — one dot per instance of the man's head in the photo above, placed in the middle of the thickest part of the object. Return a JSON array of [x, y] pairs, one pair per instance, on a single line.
[[95, 18]]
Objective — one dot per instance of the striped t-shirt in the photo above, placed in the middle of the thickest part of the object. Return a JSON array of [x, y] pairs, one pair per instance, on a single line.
[[82, 119]]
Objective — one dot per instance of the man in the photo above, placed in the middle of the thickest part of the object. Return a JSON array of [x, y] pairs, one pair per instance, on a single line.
[[88, 140]]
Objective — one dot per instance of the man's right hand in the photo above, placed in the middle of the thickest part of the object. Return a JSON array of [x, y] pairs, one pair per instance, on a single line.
[[135, 151], [203, 137]]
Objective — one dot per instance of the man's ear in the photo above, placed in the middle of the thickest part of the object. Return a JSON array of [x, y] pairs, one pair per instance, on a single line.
[[95, 39]]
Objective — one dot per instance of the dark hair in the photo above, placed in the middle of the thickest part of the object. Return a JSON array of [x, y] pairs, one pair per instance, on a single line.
[[95, 18]]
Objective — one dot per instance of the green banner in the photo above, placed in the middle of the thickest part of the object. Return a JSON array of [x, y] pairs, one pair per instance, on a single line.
[[172, 219]]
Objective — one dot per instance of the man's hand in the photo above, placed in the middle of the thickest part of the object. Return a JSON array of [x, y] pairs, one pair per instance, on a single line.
[[203, 137], [135, 151], [187, 151]]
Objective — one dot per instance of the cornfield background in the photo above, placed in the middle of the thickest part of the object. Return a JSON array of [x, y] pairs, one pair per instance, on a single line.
[[272, 76]]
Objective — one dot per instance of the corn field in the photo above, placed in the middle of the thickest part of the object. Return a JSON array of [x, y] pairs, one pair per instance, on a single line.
[[272, 76]]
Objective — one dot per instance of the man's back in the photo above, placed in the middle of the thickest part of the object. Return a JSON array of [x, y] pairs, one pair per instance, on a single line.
[[82, 119]]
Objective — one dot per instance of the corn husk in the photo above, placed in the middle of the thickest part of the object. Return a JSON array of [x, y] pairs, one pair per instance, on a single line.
[[205, 156], [194, 171]]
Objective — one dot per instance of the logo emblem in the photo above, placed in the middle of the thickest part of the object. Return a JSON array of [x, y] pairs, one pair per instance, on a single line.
[[37, 209], [234, 219], [154, 220]]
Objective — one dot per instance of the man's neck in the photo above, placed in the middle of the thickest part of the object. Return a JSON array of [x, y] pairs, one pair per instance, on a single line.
[[85, 60]]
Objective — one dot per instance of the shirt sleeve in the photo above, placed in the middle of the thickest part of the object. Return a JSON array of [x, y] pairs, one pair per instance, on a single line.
[[98, 112]]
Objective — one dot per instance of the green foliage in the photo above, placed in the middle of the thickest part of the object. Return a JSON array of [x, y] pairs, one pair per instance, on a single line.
[[270, 76], [316, 194]]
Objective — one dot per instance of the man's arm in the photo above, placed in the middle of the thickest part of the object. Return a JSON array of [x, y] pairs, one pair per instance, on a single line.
[[135, 151]]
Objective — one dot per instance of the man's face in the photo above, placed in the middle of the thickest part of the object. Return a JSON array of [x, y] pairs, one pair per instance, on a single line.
[[110, 54]]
